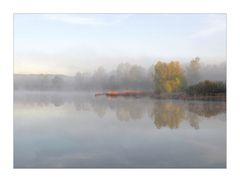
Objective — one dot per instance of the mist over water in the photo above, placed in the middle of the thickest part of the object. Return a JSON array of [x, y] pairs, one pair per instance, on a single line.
[[60, 123], [93, 90], [124, 76], [77, 129]]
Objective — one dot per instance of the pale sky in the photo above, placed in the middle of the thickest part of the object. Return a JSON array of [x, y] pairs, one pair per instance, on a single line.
[[70, 43]]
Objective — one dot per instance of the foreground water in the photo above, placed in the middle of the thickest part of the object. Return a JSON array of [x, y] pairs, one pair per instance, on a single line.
[[78, 130]]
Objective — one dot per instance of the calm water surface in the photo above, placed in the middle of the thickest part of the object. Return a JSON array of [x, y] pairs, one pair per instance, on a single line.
[[77, 130]]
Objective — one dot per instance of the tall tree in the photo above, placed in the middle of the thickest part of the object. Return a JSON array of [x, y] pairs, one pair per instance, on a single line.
[[193, 71], [168, 77]]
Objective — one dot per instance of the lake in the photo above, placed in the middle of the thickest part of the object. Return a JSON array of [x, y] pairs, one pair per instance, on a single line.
[[79, 130]]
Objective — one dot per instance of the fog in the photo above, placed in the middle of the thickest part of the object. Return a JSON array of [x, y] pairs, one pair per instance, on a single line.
[[162, 113], [124, 76], [60, 130], [213, 72]]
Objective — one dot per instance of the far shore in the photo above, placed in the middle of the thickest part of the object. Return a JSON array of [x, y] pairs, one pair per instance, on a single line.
[[160, 96], [220, 97]]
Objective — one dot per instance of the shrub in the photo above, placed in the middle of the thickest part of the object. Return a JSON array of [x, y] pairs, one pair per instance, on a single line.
[[207, 88]]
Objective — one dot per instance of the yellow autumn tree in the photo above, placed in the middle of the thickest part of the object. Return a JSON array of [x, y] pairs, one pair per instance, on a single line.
[[169, 77]]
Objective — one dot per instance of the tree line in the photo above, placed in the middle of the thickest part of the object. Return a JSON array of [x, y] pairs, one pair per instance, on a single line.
[[163, 114], [171, 77], [125, 76], [163, 77]]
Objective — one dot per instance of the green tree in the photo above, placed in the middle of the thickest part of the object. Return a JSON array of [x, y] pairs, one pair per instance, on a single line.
[[207, 88]]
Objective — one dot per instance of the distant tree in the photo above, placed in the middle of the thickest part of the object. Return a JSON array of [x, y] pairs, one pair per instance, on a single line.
[[149, 83], [100, 72], [123, 69], [136, 76], [99, 78], [42, 83], [78, 80], [83, 81], [57, 82], [136, 73], [112, 83], [193, 71], [169, 77], [122, 75]]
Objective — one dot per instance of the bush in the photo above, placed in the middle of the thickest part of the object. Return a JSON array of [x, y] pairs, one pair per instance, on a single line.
[[207, 88]]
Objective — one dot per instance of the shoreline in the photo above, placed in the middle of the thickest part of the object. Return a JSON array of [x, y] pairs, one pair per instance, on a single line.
[[188, 97], [174, 96]]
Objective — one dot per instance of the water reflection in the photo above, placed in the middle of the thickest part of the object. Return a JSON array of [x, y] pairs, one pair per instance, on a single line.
[[57, 100], [168, 114], [193, 120], [164, 113], [80, 130], [207, 109]]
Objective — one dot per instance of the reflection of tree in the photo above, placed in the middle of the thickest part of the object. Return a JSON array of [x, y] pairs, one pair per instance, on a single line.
[[57, 100], [81, 104], [129, 109], [167, 114], [207, 109], [163, 113], [136, 111], [40, 100], [193, 120], [99, 109], [122, 114]]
